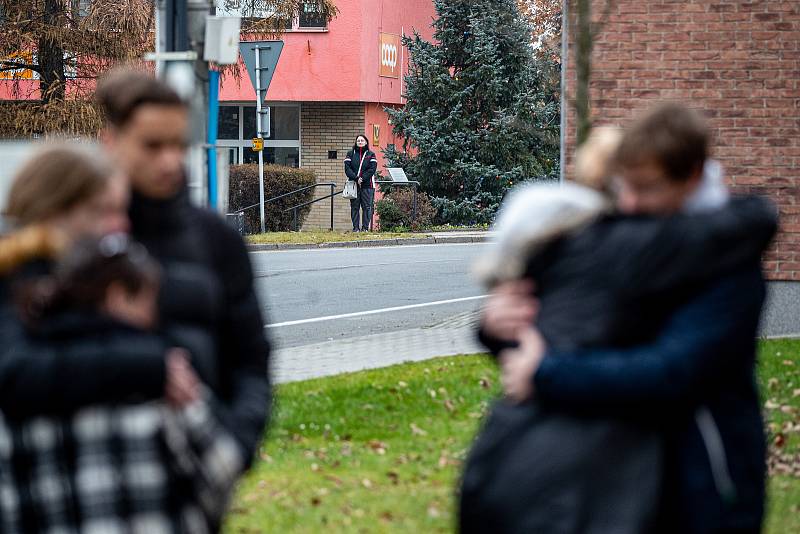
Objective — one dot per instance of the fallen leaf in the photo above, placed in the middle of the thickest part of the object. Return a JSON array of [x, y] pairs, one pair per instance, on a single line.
[[432, 393], [779, 440], [387, 516], [788, 362], [335, 480], [771, 404], [378, 446], [433, 511], [315, 501], [402, 384], [485, 383], [796, 393], [366, 483], [772, 383], [417, 431], [788, 409], [394, 477], [448, 404], [314, 467]]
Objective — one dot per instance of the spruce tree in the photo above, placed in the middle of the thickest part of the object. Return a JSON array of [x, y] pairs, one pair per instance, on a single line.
[[481, 113]]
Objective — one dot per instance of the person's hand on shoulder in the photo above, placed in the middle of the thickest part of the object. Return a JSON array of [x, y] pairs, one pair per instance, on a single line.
[[510, 309]]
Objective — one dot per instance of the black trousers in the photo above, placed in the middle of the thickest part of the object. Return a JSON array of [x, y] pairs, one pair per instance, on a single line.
[[366, 197]]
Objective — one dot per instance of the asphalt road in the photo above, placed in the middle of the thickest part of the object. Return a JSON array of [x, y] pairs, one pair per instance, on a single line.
[[306, 292]]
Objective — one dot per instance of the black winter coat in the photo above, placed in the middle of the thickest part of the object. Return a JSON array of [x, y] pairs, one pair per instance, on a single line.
[[370, 165], [38, 379], [208, 305], [614, 283]]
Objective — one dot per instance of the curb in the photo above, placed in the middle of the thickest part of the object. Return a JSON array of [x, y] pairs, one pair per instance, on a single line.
[[431, 240]]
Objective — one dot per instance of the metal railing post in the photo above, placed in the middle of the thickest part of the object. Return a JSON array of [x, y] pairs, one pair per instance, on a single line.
[[414, 204], [332, 191]]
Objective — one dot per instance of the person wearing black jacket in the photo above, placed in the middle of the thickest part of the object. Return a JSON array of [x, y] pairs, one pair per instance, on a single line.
[[360, 166], [100, 302], [208, 303], [63, 193], [691, 377]]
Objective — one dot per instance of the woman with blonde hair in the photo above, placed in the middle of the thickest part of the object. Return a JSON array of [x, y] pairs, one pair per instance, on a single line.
[[76, 351]]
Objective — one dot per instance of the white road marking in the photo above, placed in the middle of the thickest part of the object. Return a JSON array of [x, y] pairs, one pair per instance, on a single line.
[[373, 312]]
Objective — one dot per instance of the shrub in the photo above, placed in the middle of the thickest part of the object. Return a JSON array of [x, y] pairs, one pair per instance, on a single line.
[[277, 181], [478, 210], [395, 209]]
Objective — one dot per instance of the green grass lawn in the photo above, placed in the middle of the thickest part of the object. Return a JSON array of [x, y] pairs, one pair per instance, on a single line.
[[779, 376], [316, 237], [380, 451]]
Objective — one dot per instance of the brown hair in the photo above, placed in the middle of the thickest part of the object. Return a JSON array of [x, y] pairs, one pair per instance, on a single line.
[[121, 92], [671, 134], [82, 277], [56, 180]]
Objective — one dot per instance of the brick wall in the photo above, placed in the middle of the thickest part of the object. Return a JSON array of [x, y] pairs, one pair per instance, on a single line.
[[329, 126], [739, 62]]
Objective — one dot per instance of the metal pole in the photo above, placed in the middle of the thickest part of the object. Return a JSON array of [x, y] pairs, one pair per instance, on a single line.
[[213, 117], [332, 192], [414, 205], [258, 133], [564, 103]]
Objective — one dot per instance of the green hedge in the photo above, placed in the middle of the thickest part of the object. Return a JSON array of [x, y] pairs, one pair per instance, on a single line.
[[277, 181]]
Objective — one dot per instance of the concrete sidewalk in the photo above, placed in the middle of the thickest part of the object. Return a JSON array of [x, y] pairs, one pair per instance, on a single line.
[[455, 336], [433, 238]]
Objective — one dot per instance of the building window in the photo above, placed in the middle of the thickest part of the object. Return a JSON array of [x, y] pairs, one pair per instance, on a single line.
[[311, 17], [237, 128]]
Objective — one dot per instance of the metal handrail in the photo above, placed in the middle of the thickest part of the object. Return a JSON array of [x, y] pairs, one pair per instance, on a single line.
[[295, 208], [332, 185], [325, 184]]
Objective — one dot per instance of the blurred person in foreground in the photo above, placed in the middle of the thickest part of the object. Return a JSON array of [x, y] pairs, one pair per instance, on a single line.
[[132, 466], [620, 459], [64, 193], [207, 302]]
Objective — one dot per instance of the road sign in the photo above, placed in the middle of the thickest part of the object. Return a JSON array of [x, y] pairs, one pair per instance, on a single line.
[[269, 53], [258, 144]]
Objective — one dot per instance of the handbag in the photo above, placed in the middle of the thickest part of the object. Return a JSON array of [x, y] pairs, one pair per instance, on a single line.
[[350, 187], [350, 190]]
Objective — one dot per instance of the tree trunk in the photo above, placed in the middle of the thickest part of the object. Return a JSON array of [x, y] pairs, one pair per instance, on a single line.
[[51, 56], [583, 68]]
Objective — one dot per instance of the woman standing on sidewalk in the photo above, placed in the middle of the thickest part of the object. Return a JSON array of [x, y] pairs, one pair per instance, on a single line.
[[360, 166]]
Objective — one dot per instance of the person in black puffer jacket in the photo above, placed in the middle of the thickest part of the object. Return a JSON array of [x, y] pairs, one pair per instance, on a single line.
[[208, 303], [360, 166], [129, 465], [674, 359], [63, 193]]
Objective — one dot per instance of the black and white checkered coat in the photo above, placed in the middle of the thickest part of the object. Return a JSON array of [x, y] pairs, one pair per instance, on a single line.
[[109, 466], [124, 469]]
